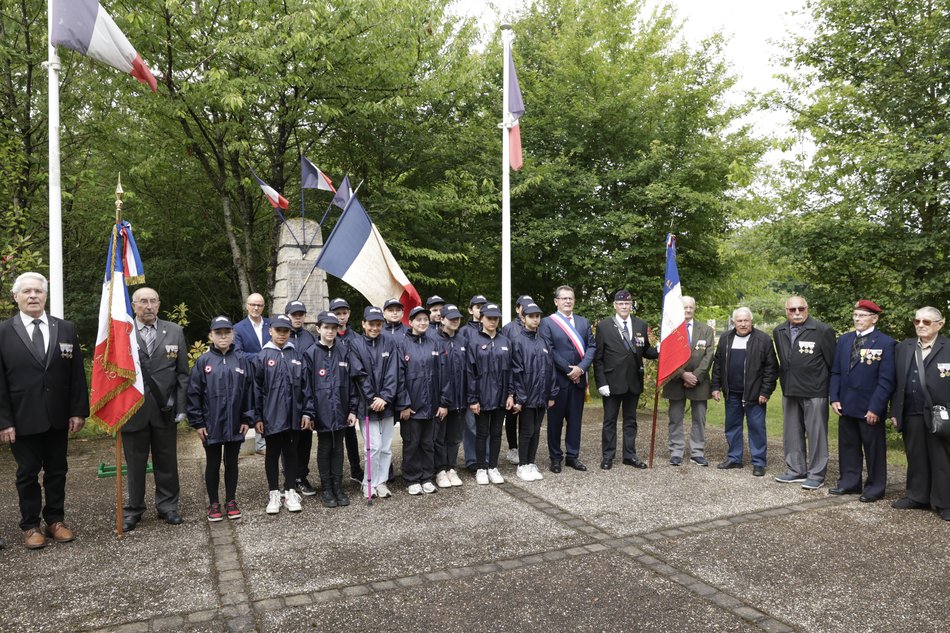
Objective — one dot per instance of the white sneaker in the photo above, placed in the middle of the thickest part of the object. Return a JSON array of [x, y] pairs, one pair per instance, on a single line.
[[495, 477], [481, 477], [364, 490], [512, 456], [429, 488], [524, 473], [382, 491], [535, 472], [273, 502], [292, 501], [453, 478], [415, 489], [442, 480]]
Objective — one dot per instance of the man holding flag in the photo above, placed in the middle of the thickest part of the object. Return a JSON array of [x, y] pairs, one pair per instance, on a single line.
[[43, 399]]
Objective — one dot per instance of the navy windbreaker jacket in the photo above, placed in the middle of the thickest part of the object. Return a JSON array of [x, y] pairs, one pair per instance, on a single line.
[[532, 370], [374, 366], [454, 372], [331, 395], [278, 388], [422, 368], [221, 395], [489, 370]]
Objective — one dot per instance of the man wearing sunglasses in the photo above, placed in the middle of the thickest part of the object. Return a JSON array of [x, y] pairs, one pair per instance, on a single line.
[[805, 348], [923, 380]]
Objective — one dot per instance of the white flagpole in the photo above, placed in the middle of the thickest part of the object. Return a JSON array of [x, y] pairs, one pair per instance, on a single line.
[[55, 189], [506, 37]]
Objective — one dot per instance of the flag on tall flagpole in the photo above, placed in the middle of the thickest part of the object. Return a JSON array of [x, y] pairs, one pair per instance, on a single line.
[[312, 178], [515, 110], [674, 339], [117, 386], [277, 201], [84, 26], [356, 253]]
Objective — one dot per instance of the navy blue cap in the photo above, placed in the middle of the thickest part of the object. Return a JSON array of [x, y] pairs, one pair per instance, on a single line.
[[336, 304], [451, 312], [327, 317], [221, 323], [417, 310], [392, 302], [491, 310], [294, 306], [435, 300], [531, 308], [281, 321], [524, 300], [478, 300], [623, 295], [372, 313]]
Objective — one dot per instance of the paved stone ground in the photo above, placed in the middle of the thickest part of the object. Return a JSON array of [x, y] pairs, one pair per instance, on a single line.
[[672, 548]]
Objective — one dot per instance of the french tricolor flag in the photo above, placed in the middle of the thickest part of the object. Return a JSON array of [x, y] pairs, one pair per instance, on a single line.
[[674, 339], [277, 201], [356, 253], [515, 111], [84, 26], [312, 178]]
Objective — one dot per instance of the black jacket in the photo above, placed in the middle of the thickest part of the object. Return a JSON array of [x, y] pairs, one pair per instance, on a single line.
[[936, 376], [221, 395], [617, 363], [374, 365], [761, 366], [422, 368], [489, 371], [804, 368], [532, 370], [331, 395], [454, 357]]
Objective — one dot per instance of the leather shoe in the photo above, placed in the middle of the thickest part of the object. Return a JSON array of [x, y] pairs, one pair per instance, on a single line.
[[634, 461], [59, 532], [945, 514], [758, 471], [33, 539], [676, 461], [3, 543], [129, 522], [172, 517], [728, 465], [607, 464], [555, 467], [909, 504], [576, 464], [844, 491], [868, 499]]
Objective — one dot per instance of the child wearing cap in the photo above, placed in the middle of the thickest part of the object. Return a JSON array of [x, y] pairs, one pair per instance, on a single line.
[[393, 311], [279, 402], [422, 368], [489, 391], [512, 330], [220, 407], [331, 404], [341, 310], [448, 434]]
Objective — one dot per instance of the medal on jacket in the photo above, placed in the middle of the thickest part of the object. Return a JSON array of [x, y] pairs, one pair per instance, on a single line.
[[171, 352], [66, 350], [944, 369], [806, 347]]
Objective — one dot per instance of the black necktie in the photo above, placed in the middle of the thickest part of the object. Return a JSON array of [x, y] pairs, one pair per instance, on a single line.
[[626, 332], [38, 343], [856, 349]]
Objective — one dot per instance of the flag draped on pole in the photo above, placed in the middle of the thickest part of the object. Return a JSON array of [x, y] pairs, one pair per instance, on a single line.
[[117, 386], [342, 195], [276, 200], [356, 253], [515, 110], [674, 339], [312, 178], [84, 26]]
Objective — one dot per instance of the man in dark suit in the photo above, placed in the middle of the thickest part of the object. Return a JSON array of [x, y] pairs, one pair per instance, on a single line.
[[862, 381], [164, 356], [570, 339], [691, 382], [251, 334], [805, 348], [923, 380], [43, 398], [618, 368]]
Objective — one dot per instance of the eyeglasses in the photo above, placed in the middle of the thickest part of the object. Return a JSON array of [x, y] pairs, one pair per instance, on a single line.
[[861, 315], [255, 305], [797, 308], [926, 322]]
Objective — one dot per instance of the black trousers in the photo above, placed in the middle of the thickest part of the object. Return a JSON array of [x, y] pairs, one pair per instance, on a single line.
[[330, 456], [448, 438], [529, 433], [283, 444], [488, 426], [856, 436], [928, 464], [304, 446], [162, 443], [612, 406], [352, 450], [418, 450], [511, 429], [213, 455], [33, 453]]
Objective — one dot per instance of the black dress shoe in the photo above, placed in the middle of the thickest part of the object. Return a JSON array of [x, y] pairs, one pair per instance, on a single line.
[[607, 464], [576, 464], [172, 517], [868, 498], [945, 514], [555, 467], [909, 504], [844, 491], [728, 465], [129, 522], [635, 462], [758, 471]]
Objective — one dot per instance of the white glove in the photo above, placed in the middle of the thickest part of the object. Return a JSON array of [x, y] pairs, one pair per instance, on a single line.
[[604, 391], [180, 417]]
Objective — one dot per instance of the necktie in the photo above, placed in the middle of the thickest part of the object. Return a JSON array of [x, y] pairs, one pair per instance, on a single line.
[[856, 350], [689, 333], [626, 332], [38, 343], [148, 335]]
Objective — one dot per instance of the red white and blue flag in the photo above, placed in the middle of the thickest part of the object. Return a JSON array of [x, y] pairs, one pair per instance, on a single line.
[[84, 26], [276, 200], [356, 253], [674, 339], [515, 110], [117, 387], [312, 178], [342, 195]]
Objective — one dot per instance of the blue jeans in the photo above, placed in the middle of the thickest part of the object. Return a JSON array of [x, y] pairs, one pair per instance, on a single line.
[[754, 414]]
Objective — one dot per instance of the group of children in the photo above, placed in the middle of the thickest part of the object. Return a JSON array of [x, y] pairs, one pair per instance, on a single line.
[[440, 378]]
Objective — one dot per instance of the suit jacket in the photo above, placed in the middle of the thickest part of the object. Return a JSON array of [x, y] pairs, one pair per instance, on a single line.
[[936, 375], [699, 363], [245, 338], [617, 363], [869, 384], [804, 368], [167, 369], [563, 351], [37, 394]]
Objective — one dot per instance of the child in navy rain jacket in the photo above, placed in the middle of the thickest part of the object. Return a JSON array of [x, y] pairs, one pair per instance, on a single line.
[[448, 434], [221, 408]]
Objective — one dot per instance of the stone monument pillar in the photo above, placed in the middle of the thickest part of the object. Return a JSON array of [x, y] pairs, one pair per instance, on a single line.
[[294, 265]]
